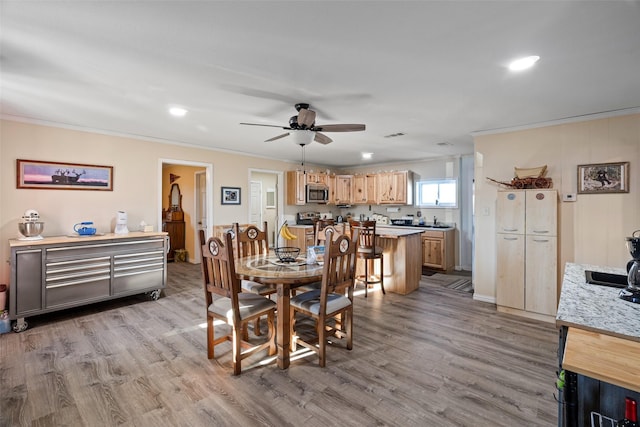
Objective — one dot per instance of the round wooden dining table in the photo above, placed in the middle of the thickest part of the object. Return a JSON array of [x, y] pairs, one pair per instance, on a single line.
[[269, 270]]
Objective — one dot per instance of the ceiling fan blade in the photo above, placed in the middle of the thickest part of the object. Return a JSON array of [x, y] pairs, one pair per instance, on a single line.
[[271, 126], [322, 139], [306, 117], [340, 128], [277, 137]]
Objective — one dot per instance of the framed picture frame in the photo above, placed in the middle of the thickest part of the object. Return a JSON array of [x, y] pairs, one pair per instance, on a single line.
[[230, 195], [42, 175], [600, 178]]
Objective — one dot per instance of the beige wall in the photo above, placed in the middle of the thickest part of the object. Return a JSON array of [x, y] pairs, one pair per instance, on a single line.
[[136, 171], [593, 228]]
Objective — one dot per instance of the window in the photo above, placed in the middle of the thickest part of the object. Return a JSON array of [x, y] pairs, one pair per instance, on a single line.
[[437, 193]]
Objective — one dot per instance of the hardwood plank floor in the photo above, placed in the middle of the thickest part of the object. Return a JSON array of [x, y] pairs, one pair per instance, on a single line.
[[434, 357]]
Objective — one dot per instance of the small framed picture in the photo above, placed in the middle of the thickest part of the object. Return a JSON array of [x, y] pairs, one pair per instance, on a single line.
[[600, 178], [230, 195]]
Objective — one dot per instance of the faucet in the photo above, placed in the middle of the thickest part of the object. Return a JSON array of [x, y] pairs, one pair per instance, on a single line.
[[435, 220]]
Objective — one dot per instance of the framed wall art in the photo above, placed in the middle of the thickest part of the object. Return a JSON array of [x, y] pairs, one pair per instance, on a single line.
[[600, 178], [230, 195], [36, 174]]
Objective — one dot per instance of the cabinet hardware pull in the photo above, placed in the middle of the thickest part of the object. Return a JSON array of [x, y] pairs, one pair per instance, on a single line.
[[541, 240], [540, 231], [510, 229], [79, 282], [510, 238]]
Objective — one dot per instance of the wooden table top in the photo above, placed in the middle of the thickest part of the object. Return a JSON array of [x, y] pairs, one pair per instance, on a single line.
[[268, 269]]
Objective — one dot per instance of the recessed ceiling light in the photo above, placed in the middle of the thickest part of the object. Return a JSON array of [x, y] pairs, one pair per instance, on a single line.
[[367, 156], [177, 111], [523, 63]]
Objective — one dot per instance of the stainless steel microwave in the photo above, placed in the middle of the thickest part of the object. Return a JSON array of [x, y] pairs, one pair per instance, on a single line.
[[317, 193]]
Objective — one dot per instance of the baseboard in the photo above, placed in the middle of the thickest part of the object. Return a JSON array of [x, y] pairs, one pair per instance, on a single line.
[[484, 298], [529, 315]]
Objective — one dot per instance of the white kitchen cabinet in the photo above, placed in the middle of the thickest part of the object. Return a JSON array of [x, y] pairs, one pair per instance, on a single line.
[[526, 243]]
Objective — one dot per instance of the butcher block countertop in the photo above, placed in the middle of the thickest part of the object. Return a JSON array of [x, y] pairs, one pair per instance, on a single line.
[[603, 357], [603, 338], [77, 238]]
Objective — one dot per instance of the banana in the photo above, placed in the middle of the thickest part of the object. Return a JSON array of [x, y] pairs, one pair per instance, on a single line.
[[285, 233]]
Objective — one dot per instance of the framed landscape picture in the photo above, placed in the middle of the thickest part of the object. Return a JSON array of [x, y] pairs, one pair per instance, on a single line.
[[230, 195], [600, 178], [37, 174]]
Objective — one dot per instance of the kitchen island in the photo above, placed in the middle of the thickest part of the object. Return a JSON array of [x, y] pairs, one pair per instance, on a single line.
[[55, 273], [599, 347], [402, 248]]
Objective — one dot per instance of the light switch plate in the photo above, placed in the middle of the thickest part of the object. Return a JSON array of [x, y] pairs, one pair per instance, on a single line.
[[569, 197]]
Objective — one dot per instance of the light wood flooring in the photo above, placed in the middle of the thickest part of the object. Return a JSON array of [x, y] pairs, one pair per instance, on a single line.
[[434, 357]]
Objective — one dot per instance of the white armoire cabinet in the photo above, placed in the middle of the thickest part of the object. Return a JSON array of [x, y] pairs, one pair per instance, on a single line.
[[527, 252]]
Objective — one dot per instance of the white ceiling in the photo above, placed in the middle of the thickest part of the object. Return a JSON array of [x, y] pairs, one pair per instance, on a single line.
[[434, 70]]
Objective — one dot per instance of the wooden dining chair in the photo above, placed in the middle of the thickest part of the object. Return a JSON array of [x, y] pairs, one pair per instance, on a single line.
[[232, 306], [331, 306], [318, 228], [253, 241], [369, 252]]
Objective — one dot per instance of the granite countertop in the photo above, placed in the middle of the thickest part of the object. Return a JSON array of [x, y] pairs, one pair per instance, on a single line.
[[596, 308], [77, 238]]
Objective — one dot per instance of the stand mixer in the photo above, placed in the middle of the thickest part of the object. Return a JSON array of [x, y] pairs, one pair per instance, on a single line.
[[632, 292]]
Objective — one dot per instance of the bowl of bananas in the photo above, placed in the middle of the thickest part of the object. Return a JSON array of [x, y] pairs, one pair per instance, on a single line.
[[287, 253]]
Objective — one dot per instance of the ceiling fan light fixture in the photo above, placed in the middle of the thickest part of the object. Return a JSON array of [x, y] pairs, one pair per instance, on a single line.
[[523, 63], [303, 137]]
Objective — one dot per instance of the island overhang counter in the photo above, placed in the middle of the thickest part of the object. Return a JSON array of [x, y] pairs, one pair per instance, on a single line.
[[402, 248]]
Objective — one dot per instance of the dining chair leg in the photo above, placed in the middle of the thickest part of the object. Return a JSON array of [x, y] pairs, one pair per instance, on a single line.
[[322, 343], [366, 277], [210, 338], [237, 349], [382, 275]]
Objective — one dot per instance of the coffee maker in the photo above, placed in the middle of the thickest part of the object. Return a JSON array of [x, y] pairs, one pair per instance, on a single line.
[[632, 292]]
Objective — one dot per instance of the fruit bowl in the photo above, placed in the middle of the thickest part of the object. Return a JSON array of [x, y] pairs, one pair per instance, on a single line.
[[287, 253]]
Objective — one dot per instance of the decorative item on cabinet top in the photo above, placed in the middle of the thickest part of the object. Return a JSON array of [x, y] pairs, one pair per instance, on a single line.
[[527, 178]]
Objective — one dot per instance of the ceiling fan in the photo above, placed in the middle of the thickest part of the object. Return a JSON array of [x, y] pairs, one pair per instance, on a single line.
[[304, 128]]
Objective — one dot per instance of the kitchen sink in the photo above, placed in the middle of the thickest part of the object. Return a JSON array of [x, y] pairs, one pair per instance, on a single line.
[[606, 279]]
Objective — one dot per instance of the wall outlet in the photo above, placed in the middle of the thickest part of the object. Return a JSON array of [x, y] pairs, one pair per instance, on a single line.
[[569, 197], [393, 209]]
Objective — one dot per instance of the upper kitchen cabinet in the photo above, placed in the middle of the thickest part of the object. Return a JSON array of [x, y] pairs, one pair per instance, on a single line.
[[296, 188], [395, 188], [331, 183], [343, 194], [371, 182], [359, 189], [317, 178]]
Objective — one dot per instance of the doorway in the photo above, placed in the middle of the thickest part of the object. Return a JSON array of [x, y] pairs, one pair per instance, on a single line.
[[266, 201], [195, 180]]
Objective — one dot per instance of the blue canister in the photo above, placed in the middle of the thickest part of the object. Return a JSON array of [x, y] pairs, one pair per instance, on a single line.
[[85, 228]]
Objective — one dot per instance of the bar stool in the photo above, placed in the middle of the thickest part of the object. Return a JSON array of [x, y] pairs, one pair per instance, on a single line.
[[369, 252]]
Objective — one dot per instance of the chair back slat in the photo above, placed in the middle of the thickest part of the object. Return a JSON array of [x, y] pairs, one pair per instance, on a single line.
[[252, 240], [339, 266]]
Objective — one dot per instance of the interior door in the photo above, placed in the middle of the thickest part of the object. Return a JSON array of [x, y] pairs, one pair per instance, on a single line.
[[256, 203]]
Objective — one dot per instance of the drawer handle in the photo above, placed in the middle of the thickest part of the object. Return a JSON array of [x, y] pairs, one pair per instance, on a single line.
[[78, 282], [541, 231], [90, 273], [134, 267], [138, 254], [510, 238], [510, 229], [541, 240], [85, 267], [136, 272], [139, 260]]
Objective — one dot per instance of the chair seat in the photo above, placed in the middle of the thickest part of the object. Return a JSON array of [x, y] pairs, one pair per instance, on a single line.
[[256, 288], [310, 301], [250, 305]]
